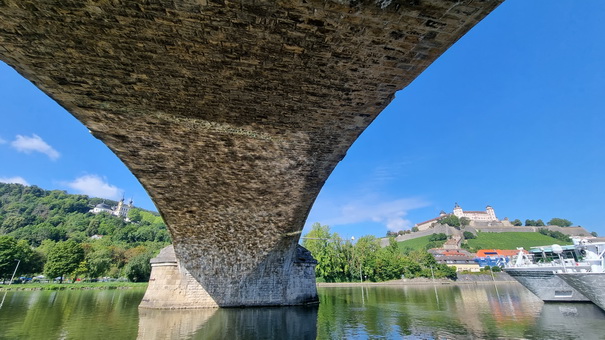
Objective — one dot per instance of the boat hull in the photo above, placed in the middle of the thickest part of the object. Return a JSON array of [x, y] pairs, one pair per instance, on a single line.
[[546, 285], [592, 285]]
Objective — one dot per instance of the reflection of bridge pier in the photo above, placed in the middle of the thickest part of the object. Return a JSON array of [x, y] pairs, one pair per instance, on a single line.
[[232, 114], [298, 322]]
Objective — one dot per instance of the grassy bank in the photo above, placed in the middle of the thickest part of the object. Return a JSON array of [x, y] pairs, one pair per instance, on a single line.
[[74, 286]]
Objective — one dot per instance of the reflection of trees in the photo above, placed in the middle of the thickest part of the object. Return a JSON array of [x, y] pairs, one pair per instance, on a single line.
[[425, 311], [113, 314], [70, 314], [430, 311], [380, 311]]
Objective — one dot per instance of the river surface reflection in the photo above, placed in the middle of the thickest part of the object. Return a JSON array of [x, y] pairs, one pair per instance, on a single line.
[[503, 311]]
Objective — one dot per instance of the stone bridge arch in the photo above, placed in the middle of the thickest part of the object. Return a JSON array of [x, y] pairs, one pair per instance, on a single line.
[[232, 114]]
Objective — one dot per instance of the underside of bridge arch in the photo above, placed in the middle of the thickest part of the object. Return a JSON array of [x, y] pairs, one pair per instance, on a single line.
[[232, 114]]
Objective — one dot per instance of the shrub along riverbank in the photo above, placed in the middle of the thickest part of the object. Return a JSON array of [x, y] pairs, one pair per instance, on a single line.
[[74, 286]]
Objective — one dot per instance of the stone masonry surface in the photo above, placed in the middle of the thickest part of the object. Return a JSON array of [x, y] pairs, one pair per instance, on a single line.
[[232, 114]]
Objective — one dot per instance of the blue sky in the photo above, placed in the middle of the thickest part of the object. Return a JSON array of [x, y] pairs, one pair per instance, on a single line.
[[511, 116]]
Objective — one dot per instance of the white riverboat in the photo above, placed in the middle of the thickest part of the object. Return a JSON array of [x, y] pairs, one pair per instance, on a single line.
[[590, 283], [537, 269]]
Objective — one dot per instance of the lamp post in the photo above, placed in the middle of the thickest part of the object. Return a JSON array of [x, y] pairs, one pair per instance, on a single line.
[[14, 272]]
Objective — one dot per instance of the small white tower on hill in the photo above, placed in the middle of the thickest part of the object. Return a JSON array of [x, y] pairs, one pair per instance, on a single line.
[[458, 212], [490, 211]]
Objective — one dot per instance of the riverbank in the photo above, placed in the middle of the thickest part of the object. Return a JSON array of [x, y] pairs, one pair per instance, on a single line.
[[463, 279], [74, 286]]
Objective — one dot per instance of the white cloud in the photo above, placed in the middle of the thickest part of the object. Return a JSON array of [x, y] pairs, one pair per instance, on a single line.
[[93, 185], [34, 144], [2, 141], [390, 213], [16, 179]]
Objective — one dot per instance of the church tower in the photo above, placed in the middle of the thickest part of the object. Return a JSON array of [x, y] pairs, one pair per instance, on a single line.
[[122, 209]]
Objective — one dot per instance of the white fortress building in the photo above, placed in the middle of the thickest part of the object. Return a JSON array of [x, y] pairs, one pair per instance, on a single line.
[[121, 210], [487, 216]]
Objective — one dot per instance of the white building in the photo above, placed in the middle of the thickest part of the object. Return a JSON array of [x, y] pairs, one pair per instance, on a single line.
[[121, 210], [102, 207], [489, 215]]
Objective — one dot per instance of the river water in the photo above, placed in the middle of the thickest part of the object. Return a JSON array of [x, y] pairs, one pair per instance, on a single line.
[[485, 311]]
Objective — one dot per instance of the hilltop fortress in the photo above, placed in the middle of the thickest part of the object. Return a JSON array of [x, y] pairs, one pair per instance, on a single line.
[[485, 218], [484, 221]]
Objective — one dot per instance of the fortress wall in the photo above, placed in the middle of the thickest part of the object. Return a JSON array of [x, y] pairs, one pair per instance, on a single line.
[[571, 231], [438, 228]]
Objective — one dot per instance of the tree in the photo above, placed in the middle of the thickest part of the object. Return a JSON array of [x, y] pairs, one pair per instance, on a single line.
[[561, 222], [13, 252], [9, 254], [468, 235], [138, 268], [64, 259], [442, 270], [364, 253], [451, 220], [594, 233], [534, 223], [388, 263], [464, 221], [414, 229], [555, 234], [134, 215], [438, 237], [517, 223], [98, 262], [333, 255]]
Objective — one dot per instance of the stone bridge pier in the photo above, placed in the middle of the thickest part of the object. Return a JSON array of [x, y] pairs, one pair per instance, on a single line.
[[232, 114]]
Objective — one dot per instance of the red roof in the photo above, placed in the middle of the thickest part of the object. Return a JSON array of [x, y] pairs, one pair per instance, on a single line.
[[452, 253], [498, 252]]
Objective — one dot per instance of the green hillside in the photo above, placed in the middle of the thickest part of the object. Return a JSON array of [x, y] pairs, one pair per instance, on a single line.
[[53, 232], [416, 244], [509, 240], [512, 240]]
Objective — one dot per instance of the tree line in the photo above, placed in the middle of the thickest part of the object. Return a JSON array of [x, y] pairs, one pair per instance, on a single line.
[[364, 259], [53, 233]]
